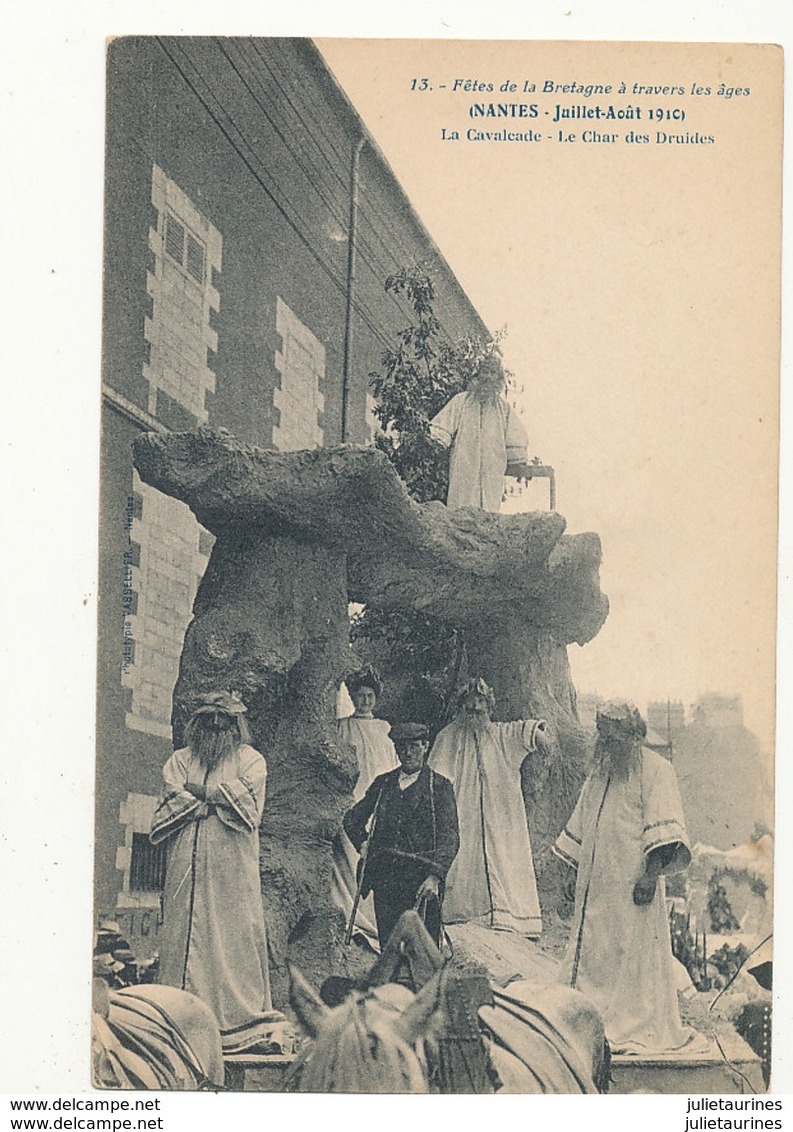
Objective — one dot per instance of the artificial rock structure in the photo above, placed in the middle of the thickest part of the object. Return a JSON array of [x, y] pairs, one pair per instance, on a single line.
[[298, 536]]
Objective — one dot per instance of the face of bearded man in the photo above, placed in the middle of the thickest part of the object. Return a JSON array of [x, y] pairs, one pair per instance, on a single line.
[[476, 710], [488, 382], [615, 751], [213, 737]]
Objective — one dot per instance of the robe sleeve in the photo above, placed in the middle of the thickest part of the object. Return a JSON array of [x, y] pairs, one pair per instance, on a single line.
[[664, 824], [530, 729], [239, 801], [517, 440], [177, 806], [568, 844], [520, 738], [444, 425]]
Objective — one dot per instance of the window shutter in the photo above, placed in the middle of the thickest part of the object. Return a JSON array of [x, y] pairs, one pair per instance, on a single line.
[[195, 259], [174, 239]]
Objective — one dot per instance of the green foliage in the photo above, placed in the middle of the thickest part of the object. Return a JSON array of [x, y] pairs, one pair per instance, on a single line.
[[728, 960], [418, 377], [686, 948], [426, 653], [756, 884], [418, 655]]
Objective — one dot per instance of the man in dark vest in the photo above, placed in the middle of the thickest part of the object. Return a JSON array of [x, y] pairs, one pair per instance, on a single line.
[[409, 817]]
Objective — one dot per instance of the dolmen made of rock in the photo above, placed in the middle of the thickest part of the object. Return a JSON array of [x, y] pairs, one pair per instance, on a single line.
[[452, 564]]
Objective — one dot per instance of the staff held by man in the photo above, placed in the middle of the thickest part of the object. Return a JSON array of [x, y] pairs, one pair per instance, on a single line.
[[409, 817]]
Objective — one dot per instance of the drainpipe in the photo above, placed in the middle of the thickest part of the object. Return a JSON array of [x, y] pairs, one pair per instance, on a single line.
[[352, 241]]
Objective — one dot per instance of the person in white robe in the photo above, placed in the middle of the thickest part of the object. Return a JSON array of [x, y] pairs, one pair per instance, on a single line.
[[485, 434], [214, 942], [627, 830], [375, 753], [492, 880]]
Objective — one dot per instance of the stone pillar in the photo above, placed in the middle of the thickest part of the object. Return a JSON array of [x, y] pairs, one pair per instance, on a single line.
[[301, 533], [270, 622]]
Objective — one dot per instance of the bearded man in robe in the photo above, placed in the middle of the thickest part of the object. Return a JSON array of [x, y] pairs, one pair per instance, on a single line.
[[626, 832], [492, 880], [214, 942], [485, 435]]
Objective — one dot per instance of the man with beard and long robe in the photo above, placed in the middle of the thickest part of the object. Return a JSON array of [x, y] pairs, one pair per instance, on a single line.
[[492, 880], [214, 942], [375, 754], [627, 830], [485, 435]]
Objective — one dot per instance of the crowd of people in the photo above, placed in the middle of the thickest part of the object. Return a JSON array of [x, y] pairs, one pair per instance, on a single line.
[[441, 828]]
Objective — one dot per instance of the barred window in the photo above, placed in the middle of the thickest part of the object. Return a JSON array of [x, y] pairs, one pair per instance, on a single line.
[[147, 864]]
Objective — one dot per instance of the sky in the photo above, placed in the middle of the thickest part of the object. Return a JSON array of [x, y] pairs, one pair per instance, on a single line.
[[639, 288]]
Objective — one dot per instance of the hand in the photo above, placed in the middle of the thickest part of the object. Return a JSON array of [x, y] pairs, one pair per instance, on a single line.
[[542, 741], [197, 790], [644, 890], [522, 470], [428, 887]]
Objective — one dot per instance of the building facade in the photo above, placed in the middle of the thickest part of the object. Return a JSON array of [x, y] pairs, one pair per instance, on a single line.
[[250, 224]]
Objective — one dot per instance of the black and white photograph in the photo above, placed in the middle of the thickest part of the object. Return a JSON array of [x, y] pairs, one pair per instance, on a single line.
[[436, 668], [434, 656]]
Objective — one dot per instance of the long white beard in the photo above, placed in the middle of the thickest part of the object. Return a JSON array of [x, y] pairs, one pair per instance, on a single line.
[[211, 749], [616, 761], [485, 396], [477, 721]]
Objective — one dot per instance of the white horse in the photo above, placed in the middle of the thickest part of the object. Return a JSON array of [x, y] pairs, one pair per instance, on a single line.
[[445, 1033]]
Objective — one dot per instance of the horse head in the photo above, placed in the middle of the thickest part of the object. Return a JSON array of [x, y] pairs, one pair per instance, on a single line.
[[373, 1042]]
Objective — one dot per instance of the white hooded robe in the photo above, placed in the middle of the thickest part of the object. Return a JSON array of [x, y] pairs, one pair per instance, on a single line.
[[492, 879], [484, 437]]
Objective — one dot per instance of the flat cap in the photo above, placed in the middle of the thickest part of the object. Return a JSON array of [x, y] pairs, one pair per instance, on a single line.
[[409, 731]]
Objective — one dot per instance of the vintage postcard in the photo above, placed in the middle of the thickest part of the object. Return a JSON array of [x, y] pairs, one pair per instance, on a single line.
[[436, 674]]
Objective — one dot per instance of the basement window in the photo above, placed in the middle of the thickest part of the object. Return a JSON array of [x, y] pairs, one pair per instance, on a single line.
[[147, 864]]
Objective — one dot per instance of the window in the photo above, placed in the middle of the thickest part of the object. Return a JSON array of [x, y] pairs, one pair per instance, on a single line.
[[147, 864], [183, 247], [194, 261], [170, 565], [174, 238], [182, 294], [300, 400]]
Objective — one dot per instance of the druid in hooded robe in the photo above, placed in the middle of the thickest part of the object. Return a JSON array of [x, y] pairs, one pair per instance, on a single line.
[[485, 435], [492, 879], [214, 943], [375, 754], [626, 831]]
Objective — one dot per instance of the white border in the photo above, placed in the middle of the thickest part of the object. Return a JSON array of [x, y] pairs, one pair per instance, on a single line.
[[52, 86]]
